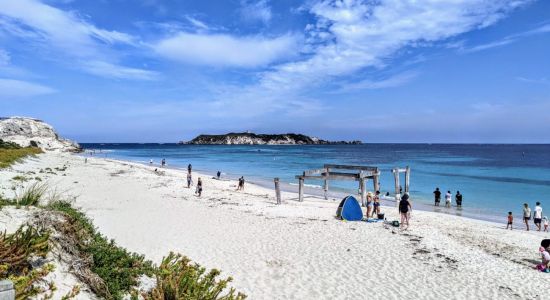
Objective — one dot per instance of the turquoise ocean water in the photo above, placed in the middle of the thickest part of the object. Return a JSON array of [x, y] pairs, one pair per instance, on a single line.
[[494, 179]]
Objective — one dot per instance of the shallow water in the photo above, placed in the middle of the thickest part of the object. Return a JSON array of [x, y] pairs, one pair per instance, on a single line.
[[494, 179]]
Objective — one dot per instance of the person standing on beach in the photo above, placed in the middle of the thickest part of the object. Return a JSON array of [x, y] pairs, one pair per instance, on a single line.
[[218, 175], [437, 196], [189, 180], [448, 198], [510, 220], [537, 215], [404, 209], [163, 163], [458, 199], [545, 223], [199, 187], [526, 215], [369, 204], [189, 168], [376, 203]]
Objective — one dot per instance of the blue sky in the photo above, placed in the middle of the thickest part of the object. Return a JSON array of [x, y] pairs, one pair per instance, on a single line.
[[378, 71]]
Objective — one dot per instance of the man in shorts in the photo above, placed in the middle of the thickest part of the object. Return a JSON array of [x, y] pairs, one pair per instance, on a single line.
[[537, 216]]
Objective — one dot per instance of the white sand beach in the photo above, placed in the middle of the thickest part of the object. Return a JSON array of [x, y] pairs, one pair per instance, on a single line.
[[297, 250]]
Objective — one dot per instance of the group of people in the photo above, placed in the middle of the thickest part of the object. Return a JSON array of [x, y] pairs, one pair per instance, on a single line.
[[373, 204], [538, 219], [448, 198]]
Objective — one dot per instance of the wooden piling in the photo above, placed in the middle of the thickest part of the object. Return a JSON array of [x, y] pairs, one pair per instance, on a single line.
[[362, 189], [396, 179], [407, 179], [277, 190], [325, 186], [301, 189]]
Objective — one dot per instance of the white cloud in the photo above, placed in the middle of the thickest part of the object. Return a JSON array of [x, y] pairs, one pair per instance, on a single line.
[[226, 50], [106, 69], [252, 10], [508, 40], [354, 35], [543, 81], [45, 25], [197, 23], [368, 84], [10, 88]]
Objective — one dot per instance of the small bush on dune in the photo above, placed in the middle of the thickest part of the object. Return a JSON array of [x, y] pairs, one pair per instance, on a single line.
[[32, 194], [178, 278]]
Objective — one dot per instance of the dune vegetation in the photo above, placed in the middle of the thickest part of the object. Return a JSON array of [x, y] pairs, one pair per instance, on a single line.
[[11, 153]]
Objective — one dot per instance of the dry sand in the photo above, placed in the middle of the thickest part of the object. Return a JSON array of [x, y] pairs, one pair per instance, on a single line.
[[295, 250]]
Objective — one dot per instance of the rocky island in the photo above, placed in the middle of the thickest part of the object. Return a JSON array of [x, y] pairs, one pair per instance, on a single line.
[[248, 138]]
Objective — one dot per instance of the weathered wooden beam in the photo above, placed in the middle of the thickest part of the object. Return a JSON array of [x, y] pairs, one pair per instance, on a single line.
[[301, 189], [314, 171], [325, 185], [362, 189], [407, 179], [397, 193], [351, 167], [277, 190]]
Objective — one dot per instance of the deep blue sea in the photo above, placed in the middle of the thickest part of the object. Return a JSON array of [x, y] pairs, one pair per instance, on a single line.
[[494, 179]]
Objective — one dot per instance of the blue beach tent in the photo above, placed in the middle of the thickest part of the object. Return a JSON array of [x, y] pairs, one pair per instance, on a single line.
[[349, 209]]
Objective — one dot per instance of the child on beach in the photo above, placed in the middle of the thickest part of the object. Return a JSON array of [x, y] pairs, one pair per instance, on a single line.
[[404, 209], [369, 204], [545, 265], [537, 216], [376, 203], [189, 180], [545, 223], [510, 220]]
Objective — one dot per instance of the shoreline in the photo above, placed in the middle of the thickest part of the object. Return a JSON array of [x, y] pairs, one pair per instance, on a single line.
[[297, 250], [335, 194]]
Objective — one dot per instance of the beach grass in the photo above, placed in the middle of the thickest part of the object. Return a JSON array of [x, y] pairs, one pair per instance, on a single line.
[[10, 154]]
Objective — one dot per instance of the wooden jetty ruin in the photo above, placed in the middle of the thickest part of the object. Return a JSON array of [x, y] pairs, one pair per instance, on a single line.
[[361, 174]]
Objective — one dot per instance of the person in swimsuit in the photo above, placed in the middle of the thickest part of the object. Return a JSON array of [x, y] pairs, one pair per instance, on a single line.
[[526, 215], [437, 196], [369, 204], [405, 209], [376, 203]]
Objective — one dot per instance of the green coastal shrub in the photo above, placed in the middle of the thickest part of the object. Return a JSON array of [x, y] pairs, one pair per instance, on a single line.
[[178, 278], [15, 252], [118, 268]]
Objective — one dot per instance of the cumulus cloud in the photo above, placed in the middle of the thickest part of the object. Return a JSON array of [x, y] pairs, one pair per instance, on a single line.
[[66, 31], [10, 88], [226, 50]]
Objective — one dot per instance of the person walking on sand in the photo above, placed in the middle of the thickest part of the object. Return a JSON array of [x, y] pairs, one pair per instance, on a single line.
[[448, 198], [189, 180], [545, 223], [537, 216], [526, 215], [404, 209], [437, 196], [199, 187], [510, 220], [458, 199], [376, 203]]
